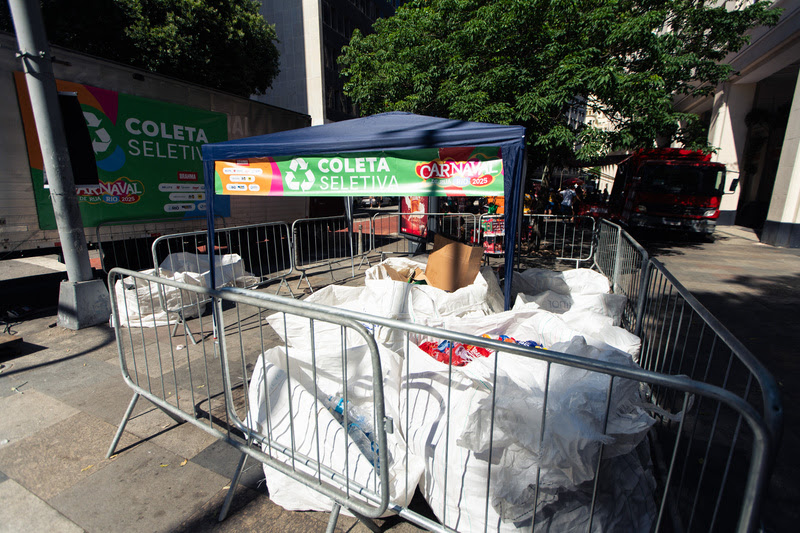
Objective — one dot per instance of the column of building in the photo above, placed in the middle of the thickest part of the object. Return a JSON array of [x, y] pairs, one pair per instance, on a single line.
[[782, 227], [728, 133]]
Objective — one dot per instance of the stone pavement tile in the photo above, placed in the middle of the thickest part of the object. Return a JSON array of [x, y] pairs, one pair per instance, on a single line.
[[107, 399], [61, 455], [144, 489], [153, 424], [250, 511], [31, 411], [3, 475], [62, 344], [253, 511], [11, 382], [61, 378], [223, 458], [22, 511], [186, 439]]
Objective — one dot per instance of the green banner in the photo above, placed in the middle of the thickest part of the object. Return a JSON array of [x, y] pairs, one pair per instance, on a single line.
[[461, 171], [148, 157]]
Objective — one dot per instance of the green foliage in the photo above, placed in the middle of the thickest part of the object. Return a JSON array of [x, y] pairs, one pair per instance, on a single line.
[[530, 62], [223, 44]]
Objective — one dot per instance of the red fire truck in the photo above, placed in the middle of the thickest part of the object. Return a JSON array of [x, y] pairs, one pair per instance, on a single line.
[[668, 188]]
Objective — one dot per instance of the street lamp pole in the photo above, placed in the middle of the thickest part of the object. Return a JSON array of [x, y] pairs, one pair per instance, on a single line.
[[81, 301]]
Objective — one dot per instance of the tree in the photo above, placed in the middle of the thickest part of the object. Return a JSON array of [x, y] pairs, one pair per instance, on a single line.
[[531, 62], [223, 44]]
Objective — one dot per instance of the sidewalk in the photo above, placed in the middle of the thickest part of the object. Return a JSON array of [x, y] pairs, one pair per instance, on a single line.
[[62, 397], [754, 290]]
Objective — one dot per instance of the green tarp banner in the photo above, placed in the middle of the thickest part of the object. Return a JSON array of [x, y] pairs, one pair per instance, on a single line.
[[148, 156], [422, 172]]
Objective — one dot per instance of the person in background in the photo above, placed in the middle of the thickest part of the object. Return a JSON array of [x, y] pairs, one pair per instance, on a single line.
[[552, 201], [529, 202], [567, 198], [605, 195]]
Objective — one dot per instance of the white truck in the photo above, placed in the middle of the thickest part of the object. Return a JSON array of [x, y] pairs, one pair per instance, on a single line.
[[145, 127]]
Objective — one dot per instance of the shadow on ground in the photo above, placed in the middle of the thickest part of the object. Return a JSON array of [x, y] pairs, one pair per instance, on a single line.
[[762, 316], [664, 243]]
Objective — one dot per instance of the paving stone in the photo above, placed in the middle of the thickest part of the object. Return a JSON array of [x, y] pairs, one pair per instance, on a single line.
[[107, 399], [223, 458], [60, 455], [146, 488], [63, 377], [23, 511], [29, 411]]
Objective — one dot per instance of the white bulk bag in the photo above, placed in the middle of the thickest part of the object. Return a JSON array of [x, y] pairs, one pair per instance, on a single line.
[[268, 397], [228, 269], [450, 431], [576, 281], [149, 305]]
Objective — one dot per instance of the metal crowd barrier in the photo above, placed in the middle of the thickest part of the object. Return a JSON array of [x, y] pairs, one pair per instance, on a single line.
[[708, 449], [324, 243], [386, 238], [700, 457], [717, 411], [180, 378], [623, 261], [193, 384], [126, 243], [265, 250], [567, 239]]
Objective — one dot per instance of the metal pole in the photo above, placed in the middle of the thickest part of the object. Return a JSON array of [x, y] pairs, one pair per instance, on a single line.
[[82, 300], [34, 51]]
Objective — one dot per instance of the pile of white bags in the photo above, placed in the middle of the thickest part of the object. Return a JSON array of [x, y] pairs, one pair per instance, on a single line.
[[448, 438], [143, 304]]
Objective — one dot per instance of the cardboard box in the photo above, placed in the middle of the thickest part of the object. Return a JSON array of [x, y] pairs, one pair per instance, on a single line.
[[452, 265]]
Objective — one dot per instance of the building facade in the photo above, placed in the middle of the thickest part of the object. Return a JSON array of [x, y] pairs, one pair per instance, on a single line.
[[311, 34], [754, 122]]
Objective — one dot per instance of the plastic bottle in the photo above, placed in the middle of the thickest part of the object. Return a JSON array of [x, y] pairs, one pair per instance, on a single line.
[[359, 427]]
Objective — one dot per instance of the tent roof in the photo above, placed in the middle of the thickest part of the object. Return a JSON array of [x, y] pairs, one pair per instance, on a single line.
[[387, 131]]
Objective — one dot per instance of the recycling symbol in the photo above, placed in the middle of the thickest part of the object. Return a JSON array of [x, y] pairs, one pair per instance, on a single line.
[[101, 139], [296, 184]]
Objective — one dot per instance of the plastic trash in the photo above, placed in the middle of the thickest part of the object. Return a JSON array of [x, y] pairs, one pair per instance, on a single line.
[[359, 427]]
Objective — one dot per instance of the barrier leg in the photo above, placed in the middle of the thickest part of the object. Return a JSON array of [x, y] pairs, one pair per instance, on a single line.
[[226, 505], [188, 331], [180, 321], [371, 525], [334, 518], [284, 283], [122, 425], [304, 277]]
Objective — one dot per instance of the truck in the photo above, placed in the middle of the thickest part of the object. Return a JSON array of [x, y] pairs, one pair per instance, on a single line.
[[669, 189], [146, 133]]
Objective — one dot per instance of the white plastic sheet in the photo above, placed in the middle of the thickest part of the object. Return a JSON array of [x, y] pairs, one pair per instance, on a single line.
[[142, 304], [396, 299], [228, 269], [570, 282]]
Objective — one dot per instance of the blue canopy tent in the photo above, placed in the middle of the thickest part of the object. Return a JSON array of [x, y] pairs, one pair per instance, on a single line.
[[394, 131]]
